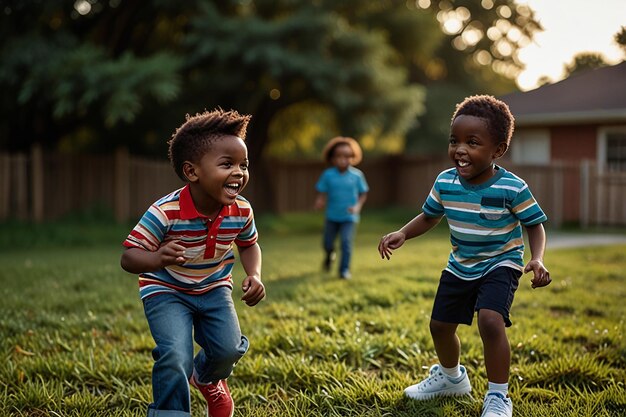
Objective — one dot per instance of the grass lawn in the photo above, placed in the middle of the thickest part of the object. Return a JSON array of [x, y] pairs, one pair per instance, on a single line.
[[74, 341]]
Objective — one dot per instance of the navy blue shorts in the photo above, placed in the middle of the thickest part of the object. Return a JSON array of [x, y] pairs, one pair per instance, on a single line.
[[458, 299]]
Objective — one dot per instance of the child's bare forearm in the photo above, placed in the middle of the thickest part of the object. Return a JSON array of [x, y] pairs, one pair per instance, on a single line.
[[136, 261], [419, 225], [251, 260], [536, 241], [362, 199]]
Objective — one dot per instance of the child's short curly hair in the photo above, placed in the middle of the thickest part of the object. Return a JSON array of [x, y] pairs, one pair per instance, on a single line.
[[332, 144], [496, 113], [193, 139]]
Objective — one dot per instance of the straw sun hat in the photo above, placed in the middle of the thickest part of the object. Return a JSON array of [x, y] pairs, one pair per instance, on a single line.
[[340, 140]]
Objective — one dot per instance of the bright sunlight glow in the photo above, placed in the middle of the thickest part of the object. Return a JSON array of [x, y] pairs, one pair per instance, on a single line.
[[571, 27]]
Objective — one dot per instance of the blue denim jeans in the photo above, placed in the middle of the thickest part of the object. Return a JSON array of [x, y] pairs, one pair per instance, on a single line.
[[345, 230], [175, 321]]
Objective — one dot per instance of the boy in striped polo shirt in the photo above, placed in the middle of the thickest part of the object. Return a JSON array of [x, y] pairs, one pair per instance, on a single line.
[[485, 206], [182, 249]]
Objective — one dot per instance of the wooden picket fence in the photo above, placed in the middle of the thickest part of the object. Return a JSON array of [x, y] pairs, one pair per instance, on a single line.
[[41, 186]]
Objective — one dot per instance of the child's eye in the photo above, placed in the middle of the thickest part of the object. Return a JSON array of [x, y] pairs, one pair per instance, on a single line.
[[227, 164], [244, 167], [452, 141]]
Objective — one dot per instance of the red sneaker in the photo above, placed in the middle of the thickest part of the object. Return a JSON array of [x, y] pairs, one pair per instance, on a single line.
[[218, 399]]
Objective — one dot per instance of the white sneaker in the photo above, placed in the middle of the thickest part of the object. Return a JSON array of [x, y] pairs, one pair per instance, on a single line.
[[439, 384], [497, 405]]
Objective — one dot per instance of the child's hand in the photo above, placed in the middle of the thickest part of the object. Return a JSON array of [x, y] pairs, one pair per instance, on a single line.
[[390, 242], [356, 209], [171, 253], [253, 290], [320, 202], [541, 276]]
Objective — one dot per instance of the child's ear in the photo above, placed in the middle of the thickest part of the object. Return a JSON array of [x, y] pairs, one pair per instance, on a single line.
[[189, 170], [500, 150]]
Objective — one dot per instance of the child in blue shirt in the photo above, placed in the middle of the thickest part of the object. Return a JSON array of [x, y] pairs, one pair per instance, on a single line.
[[486, 207], [342, 188]]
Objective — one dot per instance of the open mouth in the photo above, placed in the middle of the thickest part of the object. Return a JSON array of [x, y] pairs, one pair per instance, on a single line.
[[462, 164], [232, 189]]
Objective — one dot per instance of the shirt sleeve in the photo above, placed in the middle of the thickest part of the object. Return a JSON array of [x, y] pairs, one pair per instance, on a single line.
[[363, 187], [248, 235], [433, 206], [526, 208], [322, 184], [149, 232]]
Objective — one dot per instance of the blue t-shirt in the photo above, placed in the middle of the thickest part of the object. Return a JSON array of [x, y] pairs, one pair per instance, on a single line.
[[342, 190], [484, 219]]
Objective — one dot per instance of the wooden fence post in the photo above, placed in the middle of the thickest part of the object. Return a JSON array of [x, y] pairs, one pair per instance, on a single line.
[[121, 184], [5, 192], [557, 193], [584, 194], [19, 187], [36, 168]]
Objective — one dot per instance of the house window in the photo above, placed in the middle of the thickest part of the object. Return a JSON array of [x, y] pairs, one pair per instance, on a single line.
[[612, 148], [616, 151], [531, 146]]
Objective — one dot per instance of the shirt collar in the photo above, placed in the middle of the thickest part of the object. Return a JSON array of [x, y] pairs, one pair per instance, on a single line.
[[188, 210]]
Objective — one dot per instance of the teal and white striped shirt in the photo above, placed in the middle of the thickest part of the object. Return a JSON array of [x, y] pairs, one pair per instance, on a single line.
[[484, 219]]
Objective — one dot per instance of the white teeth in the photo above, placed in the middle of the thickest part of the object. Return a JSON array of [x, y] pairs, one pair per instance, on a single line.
[[463, 163]]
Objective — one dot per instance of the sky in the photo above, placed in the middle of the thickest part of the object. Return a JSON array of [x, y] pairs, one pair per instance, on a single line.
[[570, 27]]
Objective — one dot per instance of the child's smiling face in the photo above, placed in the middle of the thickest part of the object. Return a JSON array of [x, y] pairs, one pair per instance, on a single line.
[[220, 175], [473, 149], [342, 156]]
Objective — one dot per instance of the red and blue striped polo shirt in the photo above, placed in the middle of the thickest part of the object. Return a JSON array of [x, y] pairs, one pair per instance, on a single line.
[[208, 244]]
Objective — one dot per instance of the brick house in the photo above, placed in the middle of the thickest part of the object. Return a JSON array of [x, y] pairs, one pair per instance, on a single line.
[[580, 118], [578, 123]]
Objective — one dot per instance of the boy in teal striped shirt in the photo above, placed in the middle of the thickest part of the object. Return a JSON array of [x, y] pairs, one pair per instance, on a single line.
[[486, 207]]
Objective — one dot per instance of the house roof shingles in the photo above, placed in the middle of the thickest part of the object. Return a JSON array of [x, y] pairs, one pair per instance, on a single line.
[[595, 96]]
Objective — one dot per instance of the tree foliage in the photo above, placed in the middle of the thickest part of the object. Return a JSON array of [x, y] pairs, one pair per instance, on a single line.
[[92, 74], [585, 61], [620, 39]]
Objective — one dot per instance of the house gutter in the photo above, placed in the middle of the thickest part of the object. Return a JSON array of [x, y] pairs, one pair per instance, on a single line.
[[572, 118]]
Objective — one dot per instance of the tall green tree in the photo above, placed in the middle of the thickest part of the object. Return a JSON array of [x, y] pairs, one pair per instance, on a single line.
[[92, 74], [81, 73], [477, 54]]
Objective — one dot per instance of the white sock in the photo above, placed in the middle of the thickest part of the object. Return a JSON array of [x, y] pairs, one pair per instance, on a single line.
[[501, 388], [454, 372]]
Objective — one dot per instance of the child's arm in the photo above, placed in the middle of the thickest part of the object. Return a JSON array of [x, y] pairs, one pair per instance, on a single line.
[[136, 260], [320, 201], [355, 209], [253, 288], [537, 243], [416, 227]]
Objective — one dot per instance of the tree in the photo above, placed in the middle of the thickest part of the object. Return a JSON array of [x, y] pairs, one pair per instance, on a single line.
[[479, 54], [92, 74], [80, 73], [620, 39], [585, 61], [124, 69]]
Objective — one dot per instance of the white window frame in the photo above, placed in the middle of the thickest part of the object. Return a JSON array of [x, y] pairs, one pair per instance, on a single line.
[[520, 142], [602, 144]]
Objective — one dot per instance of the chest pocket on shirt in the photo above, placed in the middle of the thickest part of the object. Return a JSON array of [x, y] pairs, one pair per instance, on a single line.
[[492, 208]]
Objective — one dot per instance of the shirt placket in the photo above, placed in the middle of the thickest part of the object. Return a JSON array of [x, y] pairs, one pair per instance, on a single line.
[[211, 237]]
